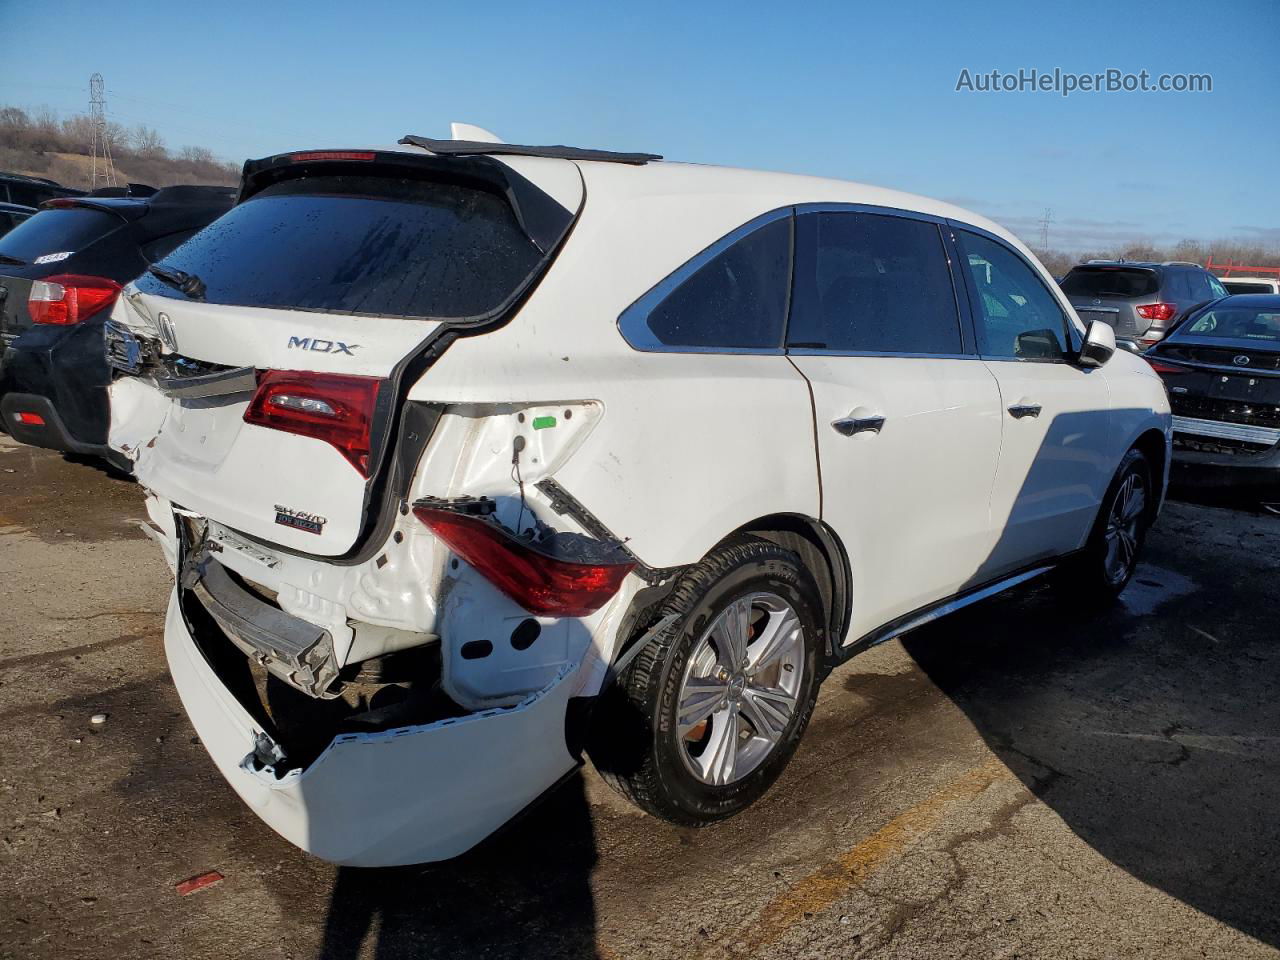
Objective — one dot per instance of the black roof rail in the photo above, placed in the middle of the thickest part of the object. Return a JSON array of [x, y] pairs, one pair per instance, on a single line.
[[466, 148]]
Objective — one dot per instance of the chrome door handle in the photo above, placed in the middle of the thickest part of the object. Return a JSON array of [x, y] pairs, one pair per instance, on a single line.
[[1024, 408], [848, 426]]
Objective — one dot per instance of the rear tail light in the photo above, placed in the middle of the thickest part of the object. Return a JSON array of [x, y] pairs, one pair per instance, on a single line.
[[330, 407], [68, 298], [1159, 367], [314, 155], [1157, 311], [542, 584], [30, 419]]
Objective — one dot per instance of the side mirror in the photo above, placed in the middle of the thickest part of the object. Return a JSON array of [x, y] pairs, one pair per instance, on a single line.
[[1099, 344]]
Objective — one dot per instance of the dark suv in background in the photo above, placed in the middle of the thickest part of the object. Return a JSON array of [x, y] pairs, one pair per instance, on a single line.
[[60, 272], [32, 191], [1143, 301]]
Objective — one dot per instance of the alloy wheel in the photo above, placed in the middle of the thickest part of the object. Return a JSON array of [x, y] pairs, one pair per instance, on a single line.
[[1124, 527], [740, 688]]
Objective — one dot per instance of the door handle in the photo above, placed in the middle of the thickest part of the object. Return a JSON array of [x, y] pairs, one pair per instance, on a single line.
[[1025, 408], [848, 426]]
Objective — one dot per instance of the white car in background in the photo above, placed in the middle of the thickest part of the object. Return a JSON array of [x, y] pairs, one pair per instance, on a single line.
[[469, 457], [1251, 285]]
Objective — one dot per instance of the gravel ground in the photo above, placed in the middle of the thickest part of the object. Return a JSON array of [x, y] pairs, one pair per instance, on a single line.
[[1018, 780]]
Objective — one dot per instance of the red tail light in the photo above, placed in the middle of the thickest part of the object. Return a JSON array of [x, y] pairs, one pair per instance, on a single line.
[[68, 298], [1159, 367], [330, 407], [541, 584], [30, 419], [1157, 311], [331, 155]]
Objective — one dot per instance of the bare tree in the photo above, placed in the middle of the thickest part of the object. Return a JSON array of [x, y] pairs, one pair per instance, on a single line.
[[147, 142], [201, 155]]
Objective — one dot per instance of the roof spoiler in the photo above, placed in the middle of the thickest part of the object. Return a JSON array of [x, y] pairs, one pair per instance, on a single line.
[[467, 148], [543, 219]]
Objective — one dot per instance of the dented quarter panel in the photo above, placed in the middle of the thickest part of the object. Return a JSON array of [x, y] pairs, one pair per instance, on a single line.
[[677, 465]]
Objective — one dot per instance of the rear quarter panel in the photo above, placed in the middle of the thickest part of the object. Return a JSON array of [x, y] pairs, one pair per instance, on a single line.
[[691, 446]]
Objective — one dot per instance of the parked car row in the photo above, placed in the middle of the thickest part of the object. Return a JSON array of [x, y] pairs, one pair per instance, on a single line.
[[60, 273], [1214, 343]]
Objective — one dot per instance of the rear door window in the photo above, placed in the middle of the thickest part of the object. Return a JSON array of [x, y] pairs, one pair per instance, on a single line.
[[737, 299], [1110, 282], [1015, 315], [1177, 287], [377, 245], [57, 231], [867, 283]]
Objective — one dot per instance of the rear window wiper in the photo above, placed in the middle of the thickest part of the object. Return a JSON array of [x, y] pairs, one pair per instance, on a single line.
[[188, 283], [5, 258]]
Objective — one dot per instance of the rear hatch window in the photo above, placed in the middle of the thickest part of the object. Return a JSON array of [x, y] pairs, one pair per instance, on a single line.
[[1238, 323], [51, 232], [370, 245], [1110, 282]]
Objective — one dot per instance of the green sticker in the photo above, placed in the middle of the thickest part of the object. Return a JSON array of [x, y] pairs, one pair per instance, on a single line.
[[541, 423]]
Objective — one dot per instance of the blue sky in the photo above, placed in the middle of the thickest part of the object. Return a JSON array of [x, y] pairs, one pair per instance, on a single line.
[[860, 91]]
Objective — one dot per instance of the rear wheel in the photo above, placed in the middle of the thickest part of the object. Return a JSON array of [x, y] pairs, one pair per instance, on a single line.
[[708, 714], [1109, 559]]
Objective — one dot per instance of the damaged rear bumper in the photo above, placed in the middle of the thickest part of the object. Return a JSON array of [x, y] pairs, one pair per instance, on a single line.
[[409, 795]]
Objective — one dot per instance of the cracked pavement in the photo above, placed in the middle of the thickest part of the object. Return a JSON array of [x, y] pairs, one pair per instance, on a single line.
[[1023, 779]]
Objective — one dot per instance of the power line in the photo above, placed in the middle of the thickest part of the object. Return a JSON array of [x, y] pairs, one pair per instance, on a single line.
[[1045, 222], [101, 145]]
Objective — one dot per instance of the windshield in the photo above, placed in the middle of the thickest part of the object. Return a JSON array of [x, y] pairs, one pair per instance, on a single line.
[[56, 231], [378, 245], [1238, 323], [1123, 282]]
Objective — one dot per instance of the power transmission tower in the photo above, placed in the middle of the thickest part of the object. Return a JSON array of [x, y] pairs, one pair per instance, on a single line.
[[101, 147], [1044, 228]]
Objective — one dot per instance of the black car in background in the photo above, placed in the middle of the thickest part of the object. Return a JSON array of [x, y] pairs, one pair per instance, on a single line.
[[1143, 301], [60, 272], [1222, 370], [12, 214], [32, 191]]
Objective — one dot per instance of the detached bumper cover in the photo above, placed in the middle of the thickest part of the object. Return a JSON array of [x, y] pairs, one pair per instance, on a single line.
[[410, 795]]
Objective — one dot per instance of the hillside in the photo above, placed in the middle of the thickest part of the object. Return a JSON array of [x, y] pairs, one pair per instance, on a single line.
[[45, 146]]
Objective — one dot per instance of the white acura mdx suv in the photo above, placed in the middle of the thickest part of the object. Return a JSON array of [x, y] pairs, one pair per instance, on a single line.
[[472, 458]]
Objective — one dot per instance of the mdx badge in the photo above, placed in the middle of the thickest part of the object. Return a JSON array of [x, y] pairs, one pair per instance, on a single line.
[[300, 520], [317, 345]]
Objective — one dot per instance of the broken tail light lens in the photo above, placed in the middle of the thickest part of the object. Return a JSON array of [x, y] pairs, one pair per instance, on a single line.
[[68, 298], [542, 584], [1157, 311], [334, 408]]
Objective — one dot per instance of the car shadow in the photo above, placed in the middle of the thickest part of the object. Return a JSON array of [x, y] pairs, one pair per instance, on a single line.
[[524, 893], [1155, 739]]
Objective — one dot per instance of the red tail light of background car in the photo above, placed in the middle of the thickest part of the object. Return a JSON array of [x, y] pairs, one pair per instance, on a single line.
[[1157, 311], [69, 298]]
